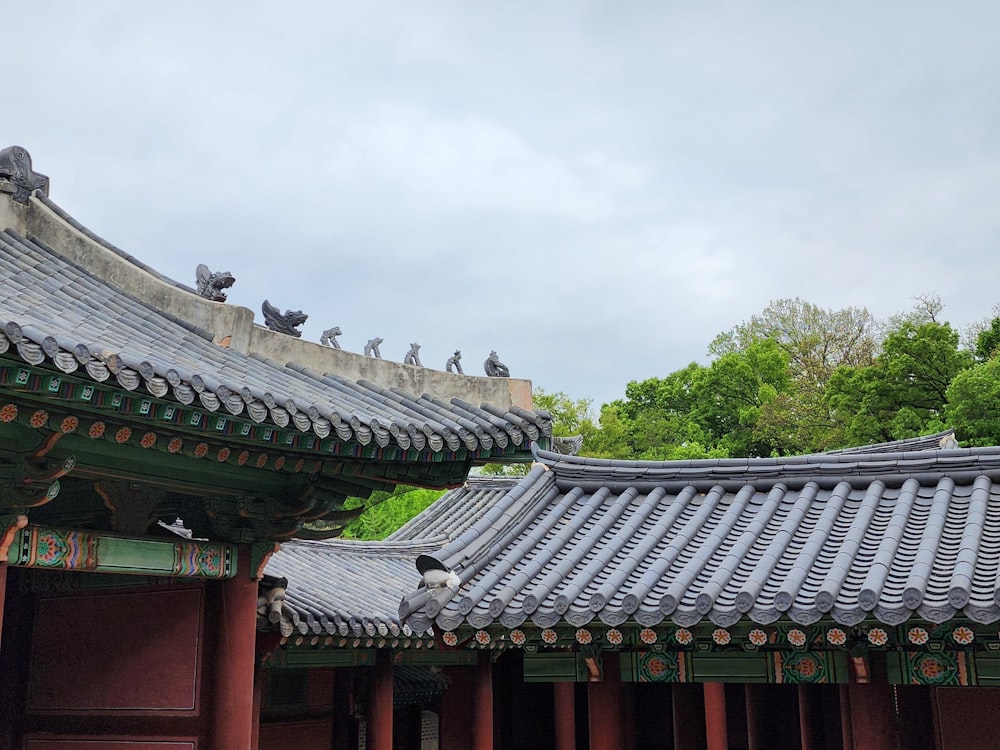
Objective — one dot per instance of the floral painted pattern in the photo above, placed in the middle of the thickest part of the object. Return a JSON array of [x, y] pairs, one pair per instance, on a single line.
[[721, 636], [69, 425], [482, 638], [8, 413], [299, 464], [583, 636], [917, 636], [757, 637], [449, 638], [261, 460], [549, 636], [836, 637], [517, 637], [963, 635], [647, 636], [615, 637], [39, 419], [175, 445], [96, 430], [683, 636], [123, 434], [878, 637], [243, 457], [148, 440], [222, 455], [796, 637], [201, 450], [279, 462]]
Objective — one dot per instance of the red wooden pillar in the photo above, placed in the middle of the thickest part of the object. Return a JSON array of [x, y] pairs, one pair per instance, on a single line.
[[846, 730], [715, 716], [565, 708], [3, 593], [756, 695], [605, 707], [811, 729], [482, 709], [379, 736], [872, 715], [688, 711], [232, 710]]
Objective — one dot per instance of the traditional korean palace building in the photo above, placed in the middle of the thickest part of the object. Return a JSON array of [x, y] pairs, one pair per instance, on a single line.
[[157, 448]]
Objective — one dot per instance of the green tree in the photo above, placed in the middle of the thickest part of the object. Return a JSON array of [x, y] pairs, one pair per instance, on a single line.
[[974, 403], [904, 393]]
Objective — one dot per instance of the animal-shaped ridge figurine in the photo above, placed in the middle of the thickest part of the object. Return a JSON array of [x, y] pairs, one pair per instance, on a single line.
[[329, 337], [283, 322], [494, 367], [211, 285], [371, 348], [15, 167], [455, 360], [413, 357]]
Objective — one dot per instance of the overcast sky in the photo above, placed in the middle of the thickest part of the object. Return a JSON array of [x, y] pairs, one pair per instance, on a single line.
[[593, 189]]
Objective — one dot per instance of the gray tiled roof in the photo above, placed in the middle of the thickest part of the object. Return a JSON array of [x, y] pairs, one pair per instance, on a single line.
[[944, 439], [346, 588], [455, 511], [52, 311], [847, 537]]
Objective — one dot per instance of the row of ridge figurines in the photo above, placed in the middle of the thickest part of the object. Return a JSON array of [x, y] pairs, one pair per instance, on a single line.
[[213, 285]]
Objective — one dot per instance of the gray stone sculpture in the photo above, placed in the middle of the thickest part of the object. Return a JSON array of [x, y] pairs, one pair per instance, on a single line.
[[455, 360], [15, 168], [413, 356], [210, 285], [283, 323], [495, 368], [371, 348], [329, 337]]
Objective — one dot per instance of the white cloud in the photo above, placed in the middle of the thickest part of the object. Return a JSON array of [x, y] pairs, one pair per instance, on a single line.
[[475, 162]]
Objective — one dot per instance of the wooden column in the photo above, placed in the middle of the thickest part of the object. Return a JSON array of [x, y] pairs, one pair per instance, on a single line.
[[811, 730], [232, 709], [482, 709], [872, 715], [846, 730], [756, 696], [689, 709], [604, 709], [3, 593], [715, 716], [379, 717], [565, 707]]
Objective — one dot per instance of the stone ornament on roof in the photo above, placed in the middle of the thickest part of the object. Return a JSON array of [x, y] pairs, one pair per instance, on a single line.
[[15, 169], [413, 356], [329, 337], [455, 360], [494, 367], [286, 322], [371, 348], [211, 285]]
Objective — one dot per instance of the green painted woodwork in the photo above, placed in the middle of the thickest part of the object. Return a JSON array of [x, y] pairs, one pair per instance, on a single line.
[[436, 657], [83, 551], [728, 667], [323, 657], [116, 554], [563, 666]]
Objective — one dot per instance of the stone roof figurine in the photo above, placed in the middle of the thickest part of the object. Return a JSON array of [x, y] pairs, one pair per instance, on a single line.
[[371, 348], [283, 323], [495, 368], [211, 285], [329, 337], [455, 360], [15, 168], [413, 356]]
